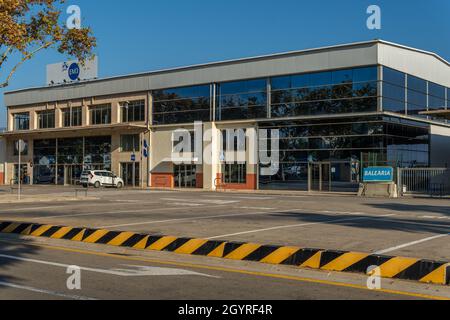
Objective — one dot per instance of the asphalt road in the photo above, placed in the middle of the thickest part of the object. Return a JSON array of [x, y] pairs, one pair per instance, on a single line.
[[417, 228], [29, 271]]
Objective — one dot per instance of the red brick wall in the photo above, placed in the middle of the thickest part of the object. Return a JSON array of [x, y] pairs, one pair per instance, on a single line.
[[199, 178], [163, 180]]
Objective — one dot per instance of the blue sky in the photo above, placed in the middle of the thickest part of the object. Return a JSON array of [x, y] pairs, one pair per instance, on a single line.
[[144, 35]]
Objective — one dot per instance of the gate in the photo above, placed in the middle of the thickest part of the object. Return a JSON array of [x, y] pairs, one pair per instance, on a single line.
[[425, 181]]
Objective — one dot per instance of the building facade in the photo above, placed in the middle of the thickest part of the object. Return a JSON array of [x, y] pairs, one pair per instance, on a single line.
[[337, 109], [2, 158]]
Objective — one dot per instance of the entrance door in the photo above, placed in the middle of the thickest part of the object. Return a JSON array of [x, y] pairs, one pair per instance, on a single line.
[[130, 173], [185, 176], [319, 176]]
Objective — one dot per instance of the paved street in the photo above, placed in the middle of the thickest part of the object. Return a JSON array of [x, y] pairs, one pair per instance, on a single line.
[[417, 228], [408, 227], [35, 272]]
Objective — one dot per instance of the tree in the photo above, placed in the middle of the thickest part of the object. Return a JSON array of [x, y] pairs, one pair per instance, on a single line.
[[30, 26]]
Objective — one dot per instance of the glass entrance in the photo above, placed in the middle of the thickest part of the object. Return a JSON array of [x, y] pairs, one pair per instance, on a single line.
[[319, 176], [185, 176], [130, 173]]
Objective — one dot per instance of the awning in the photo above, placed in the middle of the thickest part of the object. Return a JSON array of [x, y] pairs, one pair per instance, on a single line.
[[441, 113]]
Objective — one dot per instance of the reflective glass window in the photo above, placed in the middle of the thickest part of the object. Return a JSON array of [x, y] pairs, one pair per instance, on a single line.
[[46, 119], [436, 96], [100, 114], [394, 91], [182, 105], [72, 117], [130, 143], [133, 111], [21, 121], [242, 100], [341, 91]]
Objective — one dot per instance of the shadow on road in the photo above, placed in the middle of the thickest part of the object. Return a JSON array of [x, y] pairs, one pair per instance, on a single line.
[[362, 222], [400, 207], [8, 247]]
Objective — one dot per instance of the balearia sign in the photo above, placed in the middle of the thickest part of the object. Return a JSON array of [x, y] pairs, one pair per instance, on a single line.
[[378, 174]]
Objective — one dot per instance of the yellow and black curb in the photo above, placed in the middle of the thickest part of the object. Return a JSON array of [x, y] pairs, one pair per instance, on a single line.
[[425, 271]]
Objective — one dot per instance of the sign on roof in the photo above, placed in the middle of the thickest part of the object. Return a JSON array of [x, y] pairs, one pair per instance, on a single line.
[[72, 71]]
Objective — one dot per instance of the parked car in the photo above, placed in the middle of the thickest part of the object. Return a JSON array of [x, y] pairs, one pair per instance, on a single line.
[[99, 178]]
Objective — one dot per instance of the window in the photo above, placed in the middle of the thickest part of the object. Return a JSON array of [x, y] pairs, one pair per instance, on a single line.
[[182, 105], [234, 173], [394, 91], [46, 119], [21, 121], [181, 139], [101, 114], [448, 98], [130, 143], [341, 91], [242, 100], [25, 151], [133, 111], [436, 96], [417, 95], [72, 117]]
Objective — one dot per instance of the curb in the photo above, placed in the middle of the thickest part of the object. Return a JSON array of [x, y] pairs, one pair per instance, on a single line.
[[392, 267]]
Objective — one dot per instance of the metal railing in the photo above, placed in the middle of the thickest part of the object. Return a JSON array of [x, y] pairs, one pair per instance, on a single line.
[[425, 181]]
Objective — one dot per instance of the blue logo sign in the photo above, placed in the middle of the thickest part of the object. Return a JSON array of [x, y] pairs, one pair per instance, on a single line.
[[74, 71], [133, 157], [378, 174]]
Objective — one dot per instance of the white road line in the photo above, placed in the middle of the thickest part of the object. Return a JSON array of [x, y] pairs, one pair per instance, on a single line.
[[200, 201], [296, 226], [197, 218], [410, 244], [135, 271], [110, 212], [49, 292]]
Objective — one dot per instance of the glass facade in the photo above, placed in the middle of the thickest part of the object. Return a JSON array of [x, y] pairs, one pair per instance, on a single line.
[[182, 105], [62, 160], [347, 145], [21, 121], [100, 114], [242, 100], [46, 119], [394, 91], [133, 111], [406, 94], [342, 91]]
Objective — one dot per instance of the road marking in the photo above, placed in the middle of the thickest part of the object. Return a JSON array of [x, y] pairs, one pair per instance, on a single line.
[[196, 218], [103, 213], [196, 201], [258, 208], [136, 271], [410, 244], [296, 226], [230, 270], [49, 292]]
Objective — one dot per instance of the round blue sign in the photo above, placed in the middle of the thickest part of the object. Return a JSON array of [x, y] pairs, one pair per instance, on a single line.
[[74, 71]]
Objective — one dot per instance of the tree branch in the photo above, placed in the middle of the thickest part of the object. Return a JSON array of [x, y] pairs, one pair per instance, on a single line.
[[5, 56], [23, 60]]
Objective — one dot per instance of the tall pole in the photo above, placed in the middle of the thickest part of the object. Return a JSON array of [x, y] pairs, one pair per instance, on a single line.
[[20, 168]]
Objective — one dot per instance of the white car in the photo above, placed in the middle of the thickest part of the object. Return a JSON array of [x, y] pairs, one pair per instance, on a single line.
[[100, 178]]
